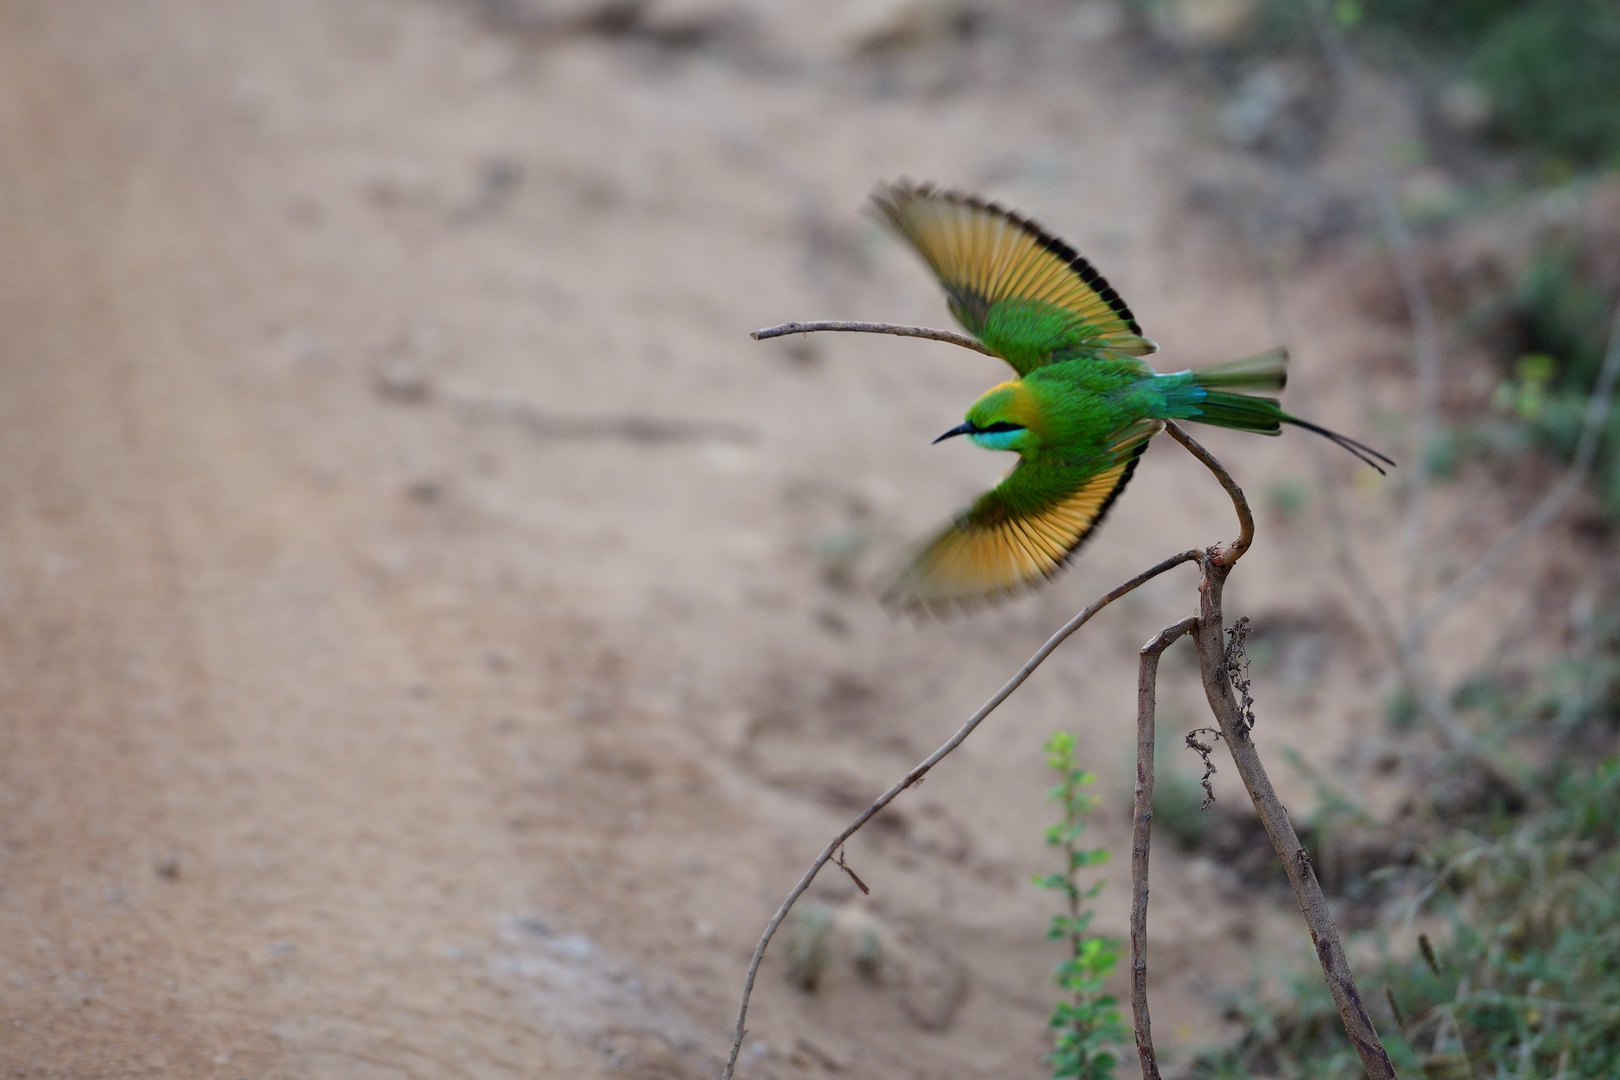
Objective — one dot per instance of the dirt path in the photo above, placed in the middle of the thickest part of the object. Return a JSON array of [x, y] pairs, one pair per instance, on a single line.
[[423, 644]]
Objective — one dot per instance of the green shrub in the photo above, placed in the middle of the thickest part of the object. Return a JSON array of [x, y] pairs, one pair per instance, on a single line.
[[1524, 983], [1551, 72], [1088, 1022], [1561, 314], [1546, 67]]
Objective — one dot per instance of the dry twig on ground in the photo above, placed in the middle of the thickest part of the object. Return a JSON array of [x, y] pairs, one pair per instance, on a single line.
[[1406, 644]]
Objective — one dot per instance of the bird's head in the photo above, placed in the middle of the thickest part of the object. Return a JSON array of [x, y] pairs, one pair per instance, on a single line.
[[1002, 419]]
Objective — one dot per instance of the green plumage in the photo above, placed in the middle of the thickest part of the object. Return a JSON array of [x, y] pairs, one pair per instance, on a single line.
[[1082, 410]]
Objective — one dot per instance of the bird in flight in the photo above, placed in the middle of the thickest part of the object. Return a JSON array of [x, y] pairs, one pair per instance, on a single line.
[[1079, 414]]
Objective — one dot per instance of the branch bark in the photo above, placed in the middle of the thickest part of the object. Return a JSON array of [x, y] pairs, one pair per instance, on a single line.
[[1296, 861], [872, 328], [1142, 836]]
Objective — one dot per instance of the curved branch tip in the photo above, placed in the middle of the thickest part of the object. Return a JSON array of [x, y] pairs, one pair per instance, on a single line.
[[1222, 559]]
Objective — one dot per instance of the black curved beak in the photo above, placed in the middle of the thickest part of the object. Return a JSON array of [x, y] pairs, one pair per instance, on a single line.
[[960, 429]]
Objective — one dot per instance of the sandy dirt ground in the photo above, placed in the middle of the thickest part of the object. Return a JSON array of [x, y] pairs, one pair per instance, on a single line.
[[431, 632]]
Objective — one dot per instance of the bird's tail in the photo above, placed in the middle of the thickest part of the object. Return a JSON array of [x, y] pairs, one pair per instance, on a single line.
[[1263, 371], [1235, 394]]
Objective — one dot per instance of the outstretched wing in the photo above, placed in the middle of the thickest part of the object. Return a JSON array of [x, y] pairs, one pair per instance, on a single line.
[[1020, 290], [1017, 534]]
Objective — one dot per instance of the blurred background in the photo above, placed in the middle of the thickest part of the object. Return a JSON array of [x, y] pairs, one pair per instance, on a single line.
[[434, 636]]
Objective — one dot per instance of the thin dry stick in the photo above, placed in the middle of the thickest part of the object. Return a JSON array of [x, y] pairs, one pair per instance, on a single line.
[[1407, 651], [917, 773], [1592, 425], [1228, 556], [1209, 637], [1296, 861], [872, 328], [1408, 659], [1426, 332], [1142, 835]]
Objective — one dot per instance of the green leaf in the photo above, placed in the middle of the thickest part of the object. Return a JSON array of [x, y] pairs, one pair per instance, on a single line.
[[1087, 1021]]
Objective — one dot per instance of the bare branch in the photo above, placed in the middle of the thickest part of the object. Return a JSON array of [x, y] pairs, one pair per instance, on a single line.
[[1240, 503], [872, 328], [1142, 836], [928, 763], [1209, 638], [626, 427], [1592, 425]]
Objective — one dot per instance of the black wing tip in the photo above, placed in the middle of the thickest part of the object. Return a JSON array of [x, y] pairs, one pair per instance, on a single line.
[[889, 198], [939, 610]]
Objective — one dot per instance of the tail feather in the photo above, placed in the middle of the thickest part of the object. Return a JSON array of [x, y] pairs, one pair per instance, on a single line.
[[1241, 411], [1231, 395], [1359, 449], [1262, 371]]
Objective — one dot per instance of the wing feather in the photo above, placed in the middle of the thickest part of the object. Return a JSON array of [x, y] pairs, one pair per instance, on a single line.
[[986, 256], [1012, 537]]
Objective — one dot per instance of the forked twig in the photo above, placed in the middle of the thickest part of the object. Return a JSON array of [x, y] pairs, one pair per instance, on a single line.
[[929, 762], [1142, 836], [872, 328], [1295, 859]]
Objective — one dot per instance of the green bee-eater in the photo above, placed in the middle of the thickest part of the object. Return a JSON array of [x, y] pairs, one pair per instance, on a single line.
[[1079, 414]]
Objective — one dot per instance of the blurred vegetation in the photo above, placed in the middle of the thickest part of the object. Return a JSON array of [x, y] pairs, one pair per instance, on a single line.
[[1489, 928], [1087, 1022], [1547, 68], [1546, 77], [1500, 943], [809, 926], [1557, 322]]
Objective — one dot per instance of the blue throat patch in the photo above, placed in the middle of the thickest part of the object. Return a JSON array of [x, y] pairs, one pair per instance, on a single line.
[[996, 440]]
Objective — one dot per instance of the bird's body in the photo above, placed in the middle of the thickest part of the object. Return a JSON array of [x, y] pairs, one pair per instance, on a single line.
[[1079, 414]]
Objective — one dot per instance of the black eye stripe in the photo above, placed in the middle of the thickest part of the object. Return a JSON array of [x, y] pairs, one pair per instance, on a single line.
[[1001, 425]]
